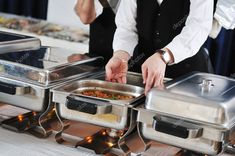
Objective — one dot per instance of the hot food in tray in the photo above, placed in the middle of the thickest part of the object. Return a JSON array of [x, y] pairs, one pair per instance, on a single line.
[[106, 94]]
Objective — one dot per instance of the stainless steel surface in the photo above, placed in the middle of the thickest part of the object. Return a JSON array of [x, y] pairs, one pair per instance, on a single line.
[[102, 106], [203, 98], [194, 131], [209, 143], [45, 65], [92, 84], [230, 148], [132, 78], [199, 105], [117, 117], [22, 90], [36, 99], [10, 42], [122, 144], [31, 73]]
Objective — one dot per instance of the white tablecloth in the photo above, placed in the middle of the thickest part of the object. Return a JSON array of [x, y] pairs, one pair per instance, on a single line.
[[19, 144]]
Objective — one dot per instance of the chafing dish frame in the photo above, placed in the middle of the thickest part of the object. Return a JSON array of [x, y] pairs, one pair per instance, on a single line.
[[30, 95], [206, 138], [89, 107], [129, 115], [51, 75]]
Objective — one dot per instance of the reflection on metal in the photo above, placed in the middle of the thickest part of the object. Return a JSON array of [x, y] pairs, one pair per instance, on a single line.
[[64, 125], [122, 142], [195, 112], [99, 142], [10, 42], [32, 123], [206, 85], [146, 142], [45, 66], [102, 141]]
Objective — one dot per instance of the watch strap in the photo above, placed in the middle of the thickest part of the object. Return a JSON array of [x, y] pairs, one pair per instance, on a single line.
[[165, 56]]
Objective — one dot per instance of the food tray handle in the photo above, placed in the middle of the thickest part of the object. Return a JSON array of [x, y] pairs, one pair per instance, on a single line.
[[12, 89], [87, 105], [179, 129]]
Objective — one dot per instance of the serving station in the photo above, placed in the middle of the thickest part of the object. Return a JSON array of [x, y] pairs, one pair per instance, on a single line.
[[70, 103]]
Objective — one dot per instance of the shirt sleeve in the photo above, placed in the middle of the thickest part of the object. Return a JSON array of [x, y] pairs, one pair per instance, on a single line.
[[195, 32], [225, 13], [125, 37], [98, 8], [216, 27]]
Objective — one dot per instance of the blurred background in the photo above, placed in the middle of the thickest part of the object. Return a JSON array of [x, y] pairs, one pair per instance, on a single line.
[[221, 49]]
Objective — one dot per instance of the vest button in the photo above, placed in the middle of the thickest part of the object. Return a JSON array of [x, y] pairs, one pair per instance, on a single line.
[[159, 14], [157, 33]]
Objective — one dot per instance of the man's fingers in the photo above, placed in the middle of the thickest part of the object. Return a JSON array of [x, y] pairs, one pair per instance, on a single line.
[[119, 79], [158, 80], [149, 81], [113, 80], [124, 79], [144, 73], [108, 73]]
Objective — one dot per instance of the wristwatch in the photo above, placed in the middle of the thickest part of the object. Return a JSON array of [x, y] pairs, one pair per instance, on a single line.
[[165, 56]]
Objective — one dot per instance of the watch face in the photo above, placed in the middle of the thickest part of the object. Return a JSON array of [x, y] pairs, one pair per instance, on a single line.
[[166, 57]]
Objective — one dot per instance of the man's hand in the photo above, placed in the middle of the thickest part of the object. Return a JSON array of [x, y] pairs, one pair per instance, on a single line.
[[116, 68], [76, 57], [153, 70], [85, 9]]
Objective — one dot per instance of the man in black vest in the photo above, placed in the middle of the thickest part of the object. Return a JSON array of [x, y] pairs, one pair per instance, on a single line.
[[100, 14], [159, 35]]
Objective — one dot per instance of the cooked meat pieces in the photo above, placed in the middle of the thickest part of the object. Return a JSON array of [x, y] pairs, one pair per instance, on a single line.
[[106, 95]]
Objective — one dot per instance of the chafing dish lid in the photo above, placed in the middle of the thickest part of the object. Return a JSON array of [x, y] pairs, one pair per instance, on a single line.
[[45, 65], [198, 97], [10, 42]]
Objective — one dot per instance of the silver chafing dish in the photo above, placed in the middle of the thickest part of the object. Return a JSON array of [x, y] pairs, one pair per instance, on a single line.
[[109, 113], [27, 76], [14, 42], [195, 112]]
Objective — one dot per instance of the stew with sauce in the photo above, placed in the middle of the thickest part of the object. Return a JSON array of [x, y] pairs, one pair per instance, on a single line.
[[107, 95]]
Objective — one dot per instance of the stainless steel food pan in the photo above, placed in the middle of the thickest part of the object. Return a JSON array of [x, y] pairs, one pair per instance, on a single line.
[[133, 78], [102, 112]]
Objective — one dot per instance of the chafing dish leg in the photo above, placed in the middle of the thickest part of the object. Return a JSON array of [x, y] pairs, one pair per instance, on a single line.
[[230, 148], [146, 142], [64, 125], [44, 125], [59, 135], [121, 142]]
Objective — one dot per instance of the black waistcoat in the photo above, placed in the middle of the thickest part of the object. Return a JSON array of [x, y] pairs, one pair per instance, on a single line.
[[157, 25], [101, 35]]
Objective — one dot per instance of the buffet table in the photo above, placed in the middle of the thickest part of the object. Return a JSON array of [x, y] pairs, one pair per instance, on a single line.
[[50, 34], [12, 143], [24, 144]]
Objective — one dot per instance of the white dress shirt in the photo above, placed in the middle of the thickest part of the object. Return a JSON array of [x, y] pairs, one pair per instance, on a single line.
[[114, 4], [186, 44], [225, 13], [224, 16]]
